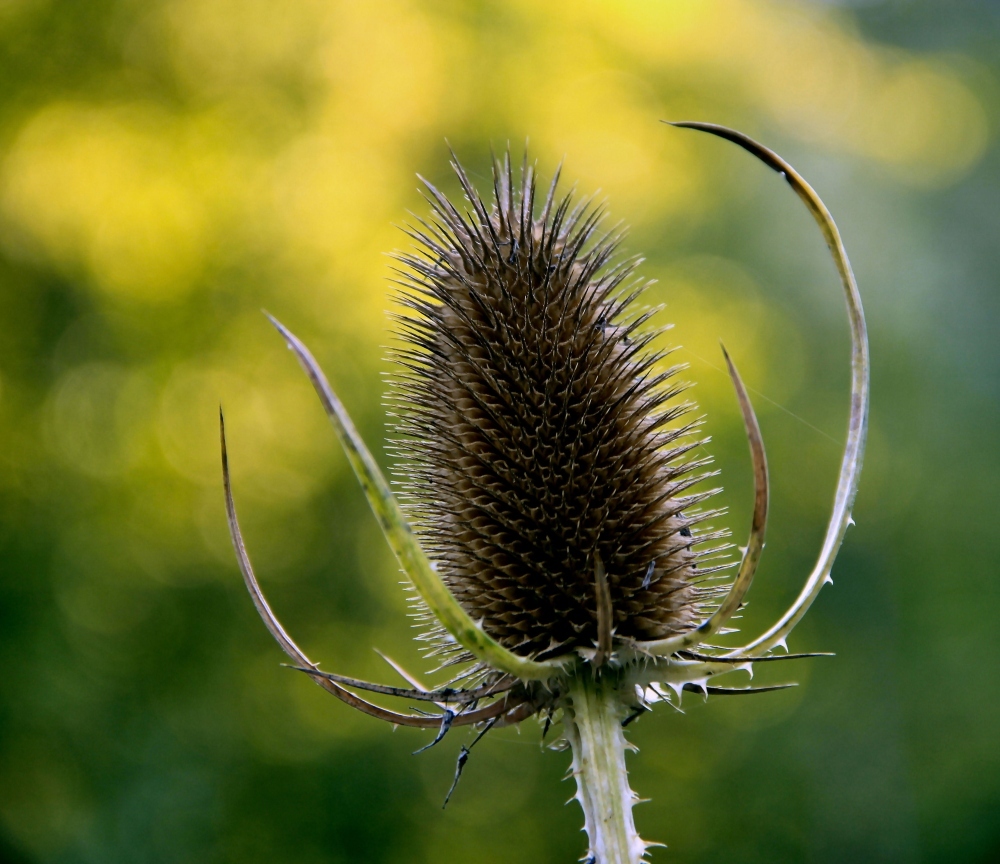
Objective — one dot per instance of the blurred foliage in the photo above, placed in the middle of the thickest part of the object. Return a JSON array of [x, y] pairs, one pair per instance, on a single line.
[[169, 167]]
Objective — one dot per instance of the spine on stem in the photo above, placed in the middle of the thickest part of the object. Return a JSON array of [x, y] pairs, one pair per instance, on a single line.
[[593, 714]]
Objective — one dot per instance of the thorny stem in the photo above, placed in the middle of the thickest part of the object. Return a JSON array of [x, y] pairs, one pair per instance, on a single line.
[[593, 714]]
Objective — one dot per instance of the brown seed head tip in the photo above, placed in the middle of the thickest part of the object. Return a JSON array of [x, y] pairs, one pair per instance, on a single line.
[[538, 430]]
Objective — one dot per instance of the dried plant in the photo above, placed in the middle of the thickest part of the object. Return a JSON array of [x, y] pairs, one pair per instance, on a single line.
[[557, 550]]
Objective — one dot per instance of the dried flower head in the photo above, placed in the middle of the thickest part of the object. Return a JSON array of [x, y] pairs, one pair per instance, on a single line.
[[536, 427], [547, 475]]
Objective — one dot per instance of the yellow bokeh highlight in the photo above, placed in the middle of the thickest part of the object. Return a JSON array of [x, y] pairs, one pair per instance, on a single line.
[[925, 123], [222, 45], [100, 189], [810, 71], [97, 418], [138, 198]]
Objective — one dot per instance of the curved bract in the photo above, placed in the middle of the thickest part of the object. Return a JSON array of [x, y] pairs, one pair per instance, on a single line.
[[397, 531], [292, 650], [755, 544], [857, 427]]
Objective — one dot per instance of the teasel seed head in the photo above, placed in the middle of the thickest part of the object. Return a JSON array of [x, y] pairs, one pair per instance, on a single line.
[[540, 432], [548, 476]]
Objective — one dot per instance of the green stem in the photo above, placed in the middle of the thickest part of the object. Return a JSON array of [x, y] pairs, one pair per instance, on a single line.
[[593, 714]]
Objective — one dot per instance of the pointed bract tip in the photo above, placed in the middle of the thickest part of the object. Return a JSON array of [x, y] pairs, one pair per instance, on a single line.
[[222, 443], [281, 328]]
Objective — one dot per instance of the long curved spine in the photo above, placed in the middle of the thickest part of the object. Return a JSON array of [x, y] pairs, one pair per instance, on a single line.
[[297, 654], [755, 543], [857, 427], [411, 557]]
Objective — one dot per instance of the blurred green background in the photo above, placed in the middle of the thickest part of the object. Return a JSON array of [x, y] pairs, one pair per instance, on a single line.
[[169, 167]]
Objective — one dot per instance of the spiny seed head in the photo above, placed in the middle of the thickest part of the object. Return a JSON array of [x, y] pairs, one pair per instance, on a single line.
[[538, 431], [550, 479]]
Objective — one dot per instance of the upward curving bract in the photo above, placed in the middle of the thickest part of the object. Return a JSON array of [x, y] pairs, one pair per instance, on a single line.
[[857, 421]]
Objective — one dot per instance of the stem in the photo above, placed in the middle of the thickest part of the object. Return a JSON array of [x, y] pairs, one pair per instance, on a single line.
[[593, 715]]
